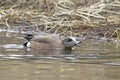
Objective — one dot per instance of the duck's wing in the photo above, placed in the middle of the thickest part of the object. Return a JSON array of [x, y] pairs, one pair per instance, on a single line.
[[44, 39]]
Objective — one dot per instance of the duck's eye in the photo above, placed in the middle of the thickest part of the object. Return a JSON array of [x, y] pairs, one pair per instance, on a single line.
[[69, 40]]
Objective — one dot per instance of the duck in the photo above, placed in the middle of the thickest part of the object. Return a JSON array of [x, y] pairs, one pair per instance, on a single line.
[[50, 42]]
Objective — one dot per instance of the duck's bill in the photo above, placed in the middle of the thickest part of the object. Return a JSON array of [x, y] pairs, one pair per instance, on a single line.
[[77, 43]]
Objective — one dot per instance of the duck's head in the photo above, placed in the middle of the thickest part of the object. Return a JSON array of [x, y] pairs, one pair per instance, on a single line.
[[69, 42]]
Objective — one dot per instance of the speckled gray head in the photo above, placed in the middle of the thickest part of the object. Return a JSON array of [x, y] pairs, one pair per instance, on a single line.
[[69, 42]]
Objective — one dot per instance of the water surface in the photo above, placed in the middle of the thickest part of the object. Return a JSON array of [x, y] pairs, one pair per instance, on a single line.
[[93, 60]]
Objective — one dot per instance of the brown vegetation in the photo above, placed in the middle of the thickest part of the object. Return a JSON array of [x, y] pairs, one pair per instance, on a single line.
[[61, 16]]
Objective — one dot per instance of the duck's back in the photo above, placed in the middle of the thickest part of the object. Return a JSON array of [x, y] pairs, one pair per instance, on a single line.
[[46, 42]]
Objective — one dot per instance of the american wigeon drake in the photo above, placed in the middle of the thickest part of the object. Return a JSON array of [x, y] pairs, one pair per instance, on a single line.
[[50, 42]]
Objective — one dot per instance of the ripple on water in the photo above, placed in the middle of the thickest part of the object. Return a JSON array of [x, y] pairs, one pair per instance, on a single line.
[[12, 46]]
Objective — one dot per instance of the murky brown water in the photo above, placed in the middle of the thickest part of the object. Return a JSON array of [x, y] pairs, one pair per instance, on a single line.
[[93, 60]]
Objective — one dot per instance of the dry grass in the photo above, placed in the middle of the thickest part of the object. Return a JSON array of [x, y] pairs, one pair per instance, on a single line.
[[60, 15]]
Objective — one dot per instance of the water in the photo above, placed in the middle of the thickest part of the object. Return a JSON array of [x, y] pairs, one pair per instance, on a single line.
[[93, 60]]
